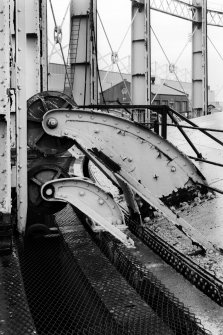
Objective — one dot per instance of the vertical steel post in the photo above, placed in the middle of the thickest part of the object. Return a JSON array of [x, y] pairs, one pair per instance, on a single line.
[[5, 150], [147, 58], [43, 46], [93, 53], [199, 59], [21, 113], [141, 56], [82, 51]]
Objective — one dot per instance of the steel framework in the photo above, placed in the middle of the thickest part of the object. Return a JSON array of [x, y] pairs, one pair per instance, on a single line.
[[200, 17], [186, 11]]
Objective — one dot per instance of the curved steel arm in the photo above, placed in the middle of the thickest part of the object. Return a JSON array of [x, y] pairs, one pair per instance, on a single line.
[[83, 194], [150, 165]]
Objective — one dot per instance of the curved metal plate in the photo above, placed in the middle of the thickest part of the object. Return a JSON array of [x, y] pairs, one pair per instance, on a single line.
[[148, 158], [150, 165], [83, 194]]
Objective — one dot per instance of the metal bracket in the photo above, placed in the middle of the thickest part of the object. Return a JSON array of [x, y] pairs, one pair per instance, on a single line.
[[99, 206]]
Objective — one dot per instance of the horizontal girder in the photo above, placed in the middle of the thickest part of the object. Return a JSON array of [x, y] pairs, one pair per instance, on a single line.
[[186, 11]]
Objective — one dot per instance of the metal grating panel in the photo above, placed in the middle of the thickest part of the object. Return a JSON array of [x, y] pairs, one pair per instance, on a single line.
[[15, 317], [72, 288]]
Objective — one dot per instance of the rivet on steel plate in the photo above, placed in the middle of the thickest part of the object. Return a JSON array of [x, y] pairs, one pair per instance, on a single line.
[[81, 193], [173, 169], [101, 201], [67, 115], [130, 159], [80, 116]]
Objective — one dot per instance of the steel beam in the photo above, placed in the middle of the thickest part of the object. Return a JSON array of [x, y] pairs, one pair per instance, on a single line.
[[5, 102], [186, 11], [141, 57], [21, 113], [82, 53], [43, 43], [199, 59]]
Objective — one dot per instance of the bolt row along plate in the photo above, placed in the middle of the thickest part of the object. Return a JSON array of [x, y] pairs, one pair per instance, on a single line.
[[37, 106]]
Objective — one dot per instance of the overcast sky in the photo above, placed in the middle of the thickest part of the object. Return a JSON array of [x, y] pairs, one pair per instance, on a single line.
[[173, 34]]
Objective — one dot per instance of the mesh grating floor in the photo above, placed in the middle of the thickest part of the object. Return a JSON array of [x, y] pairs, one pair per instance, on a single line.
[[168, 308], [72, 288], [15, 317]]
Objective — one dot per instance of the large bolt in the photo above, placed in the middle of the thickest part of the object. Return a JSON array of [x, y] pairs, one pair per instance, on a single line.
[[49, 192], [52, 123]]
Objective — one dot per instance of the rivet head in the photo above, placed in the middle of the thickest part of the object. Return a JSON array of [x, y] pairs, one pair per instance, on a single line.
[[52, 123], [101, 201], [81, 193], [173, 169]]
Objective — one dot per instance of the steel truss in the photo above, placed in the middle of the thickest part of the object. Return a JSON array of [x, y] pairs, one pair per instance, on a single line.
[[186, 11]]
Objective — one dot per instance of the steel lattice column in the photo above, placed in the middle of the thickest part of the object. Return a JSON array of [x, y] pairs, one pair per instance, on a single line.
[[199, 59], [141, 56]]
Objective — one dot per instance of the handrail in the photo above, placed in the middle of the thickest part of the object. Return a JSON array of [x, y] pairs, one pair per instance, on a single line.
[[184, 134], [164, 110], [194, 124]]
